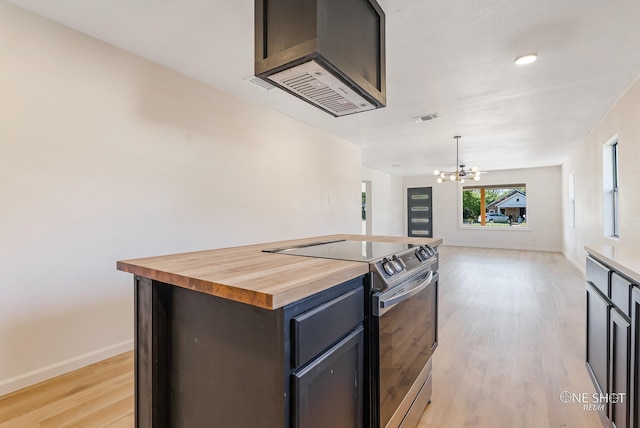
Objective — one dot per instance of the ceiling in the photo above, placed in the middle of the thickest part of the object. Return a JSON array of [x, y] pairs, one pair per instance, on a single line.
[[451, 58]]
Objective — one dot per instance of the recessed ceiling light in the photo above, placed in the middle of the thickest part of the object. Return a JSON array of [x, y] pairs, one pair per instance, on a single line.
[[526, 59]]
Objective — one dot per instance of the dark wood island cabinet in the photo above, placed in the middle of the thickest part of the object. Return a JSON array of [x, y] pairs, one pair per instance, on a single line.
[[205, 361]]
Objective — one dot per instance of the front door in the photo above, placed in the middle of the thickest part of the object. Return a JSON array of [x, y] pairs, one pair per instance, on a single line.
[[419, 213]]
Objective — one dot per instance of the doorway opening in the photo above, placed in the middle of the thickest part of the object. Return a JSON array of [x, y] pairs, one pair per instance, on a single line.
[[366, 207]]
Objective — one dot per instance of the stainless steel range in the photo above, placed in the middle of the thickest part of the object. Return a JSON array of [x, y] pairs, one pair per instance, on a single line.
[[401, 324]]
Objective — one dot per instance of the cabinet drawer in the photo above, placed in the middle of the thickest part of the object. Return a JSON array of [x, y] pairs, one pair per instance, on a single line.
[[620, 293], [319, 328], [598, 275]]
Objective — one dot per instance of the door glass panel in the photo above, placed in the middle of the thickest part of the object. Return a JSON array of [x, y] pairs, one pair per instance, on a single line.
[[416, 232]]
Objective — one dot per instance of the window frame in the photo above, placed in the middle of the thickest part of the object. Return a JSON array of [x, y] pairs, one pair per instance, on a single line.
[[611, 189], [572, 200], [616, 190]]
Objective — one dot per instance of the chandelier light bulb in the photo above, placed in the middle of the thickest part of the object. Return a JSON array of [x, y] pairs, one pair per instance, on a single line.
[[474, 169], [443, 175], [462, 180], [439, 180], [453, 177], [476, 178], [436, 172]]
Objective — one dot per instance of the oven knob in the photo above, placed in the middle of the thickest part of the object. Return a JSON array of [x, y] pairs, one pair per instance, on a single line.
[[388, 268], [396, 265], [400, 262], [424, 253], [419, 256]]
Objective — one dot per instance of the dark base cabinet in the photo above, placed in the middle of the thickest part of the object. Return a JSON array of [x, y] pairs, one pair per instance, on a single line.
[[597, 355], [634, 381], [204, 361], [619, 375], [613, 341]]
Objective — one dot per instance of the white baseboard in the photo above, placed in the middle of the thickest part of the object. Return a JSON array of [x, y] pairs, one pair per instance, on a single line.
[[575, 263], [44, 373]]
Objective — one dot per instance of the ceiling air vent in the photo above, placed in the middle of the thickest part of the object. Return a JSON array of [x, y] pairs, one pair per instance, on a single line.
[[330, 54], [426, 117]]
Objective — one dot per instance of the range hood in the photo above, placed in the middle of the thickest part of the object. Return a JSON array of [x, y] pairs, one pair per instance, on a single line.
[[329, 53]]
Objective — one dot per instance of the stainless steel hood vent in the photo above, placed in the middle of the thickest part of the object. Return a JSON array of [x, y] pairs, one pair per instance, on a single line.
[[328, 53], [321, 88]]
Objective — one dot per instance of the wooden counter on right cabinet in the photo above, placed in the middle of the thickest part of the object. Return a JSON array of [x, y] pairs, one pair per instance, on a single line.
[[613, 332]]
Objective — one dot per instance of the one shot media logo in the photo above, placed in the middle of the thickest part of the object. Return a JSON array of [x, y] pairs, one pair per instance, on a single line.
[[592, 401]]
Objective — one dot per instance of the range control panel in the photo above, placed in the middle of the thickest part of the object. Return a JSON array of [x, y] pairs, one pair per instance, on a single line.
[[395, 269]]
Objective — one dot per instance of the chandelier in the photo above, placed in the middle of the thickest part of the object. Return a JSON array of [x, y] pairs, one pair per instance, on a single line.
[[460, 173]]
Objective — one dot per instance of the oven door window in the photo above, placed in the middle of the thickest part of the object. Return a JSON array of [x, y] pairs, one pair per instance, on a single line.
[[407, 339]]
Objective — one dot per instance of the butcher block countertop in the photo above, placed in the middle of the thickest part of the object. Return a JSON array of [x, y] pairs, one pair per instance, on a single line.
[[248, 275], [624, 259]]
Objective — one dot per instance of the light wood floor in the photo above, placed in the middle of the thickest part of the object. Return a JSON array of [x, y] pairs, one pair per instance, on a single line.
[[100, 395], [511, 339]]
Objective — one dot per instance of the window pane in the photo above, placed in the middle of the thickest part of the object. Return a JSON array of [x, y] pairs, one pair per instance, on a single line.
[[610, 187], [505, 206], [614, 155], [572, 199]]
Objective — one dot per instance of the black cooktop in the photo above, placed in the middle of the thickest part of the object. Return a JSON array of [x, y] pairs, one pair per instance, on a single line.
[[357, 251]]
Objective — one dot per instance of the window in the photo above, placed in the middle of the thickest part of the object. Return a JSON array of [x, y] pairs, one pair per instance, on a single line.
[[495, 206], [614, 176], [611, 189], [572, 200]]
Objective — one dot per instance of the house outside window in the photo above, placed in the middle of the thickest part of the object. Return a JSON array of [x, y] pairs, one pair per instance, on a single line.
[[494, 206]]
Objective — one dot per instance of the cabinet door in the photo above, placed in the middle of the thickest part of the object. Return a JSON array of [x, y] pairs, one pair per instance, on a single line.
[[620, 337], [597, 358], [328, 392], [635, 356]]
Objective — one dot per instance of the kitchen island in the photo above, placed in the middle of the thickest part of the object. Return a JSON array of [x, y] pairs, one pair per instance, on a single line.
[[238, 337]]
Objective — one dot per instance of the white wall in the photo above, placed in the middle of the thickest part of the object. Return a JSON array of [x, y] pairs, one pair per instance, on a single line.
[[544, 229], [387, 202], [106, 156], [622, 120]]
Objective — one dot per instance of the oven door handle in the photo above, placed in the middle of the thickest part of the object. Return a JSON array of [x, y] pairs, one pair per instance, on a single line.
[[407, 294]]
